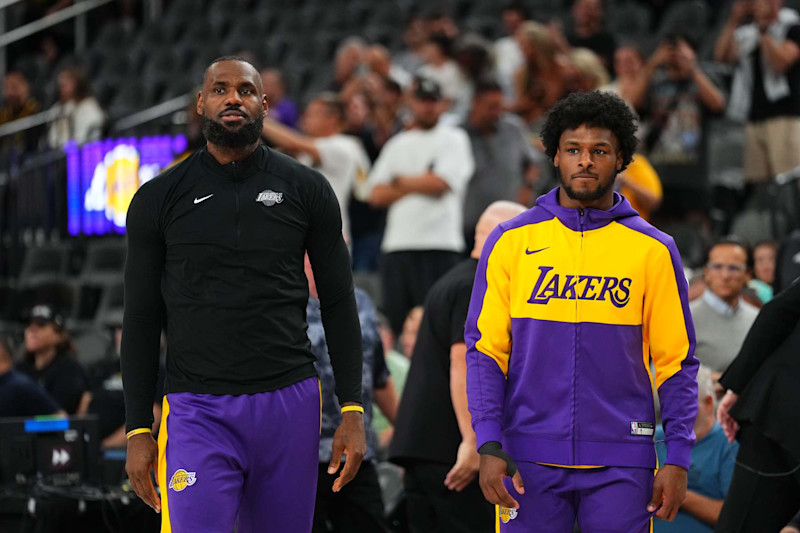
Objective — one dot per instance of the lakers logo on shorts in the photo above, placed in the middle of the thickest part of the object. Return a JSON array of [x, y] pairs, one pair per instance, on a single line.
[[182, 479], [506, 514]]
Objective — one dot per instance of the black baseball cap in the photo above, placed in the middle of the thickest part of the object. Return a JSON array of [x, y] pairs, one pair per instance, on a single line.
[[427, 89], [43, 314]]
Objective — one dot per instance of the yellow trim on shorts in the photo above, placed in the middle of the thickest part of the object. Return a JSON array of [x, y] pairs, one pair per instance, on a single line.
[[497, 518], [161, 471]]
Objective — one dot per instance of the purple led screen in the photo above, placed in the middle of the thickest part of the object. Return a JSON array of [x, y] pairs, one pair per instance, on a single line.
[[103, 176]]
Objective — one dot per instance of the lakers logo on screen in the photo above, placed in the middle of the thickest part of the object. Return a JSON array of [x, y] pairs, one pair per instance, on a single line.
[[115, 181], [569, 287], [182, 479]]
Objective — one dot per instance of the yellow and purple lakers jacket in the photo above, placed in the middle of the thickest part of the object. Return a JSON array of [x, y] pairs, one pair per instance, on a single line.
[[567, 309]]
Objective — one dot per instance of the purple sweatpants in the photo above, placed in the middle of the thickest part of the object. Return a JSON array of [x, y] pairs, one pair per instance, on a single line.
[[252, 457], [604, 500]]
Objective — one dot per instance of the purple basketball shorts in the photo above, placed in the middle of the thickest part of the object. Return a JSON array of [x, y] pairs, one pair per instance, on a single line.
[[251, 458], [603, 500]]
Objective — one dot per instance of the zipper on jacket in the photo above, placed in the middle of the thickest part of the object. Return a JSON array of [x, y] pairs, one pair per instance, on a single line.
[[577, 345], [236, 193]]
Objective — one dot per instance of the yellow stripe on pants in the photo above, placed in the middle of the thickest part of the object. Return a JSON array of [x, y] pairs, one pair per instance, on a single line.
[[161, 472]]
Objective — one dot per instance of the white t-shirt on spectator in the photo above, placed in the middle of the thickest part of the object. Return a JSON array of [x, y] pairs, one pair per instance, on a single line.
[[344, 162], [419, 221], [80, 122], [508, 60]]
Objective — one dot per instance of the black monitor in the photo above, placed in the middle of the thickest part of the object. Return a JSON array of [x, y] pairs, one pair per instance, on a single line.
[[56, 450]]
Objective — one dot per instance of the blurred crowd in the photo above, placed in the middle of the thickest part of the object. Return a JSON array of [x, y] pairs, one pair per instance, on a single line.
[[419, 141]]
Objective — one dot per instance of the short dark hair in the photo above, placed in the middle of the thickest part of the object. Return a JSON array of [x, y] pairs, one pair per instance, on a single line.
[[731, 240], [444, 42], [18, 73], [519, 7], [392, 86], [220, 59], [674, 36], [486, 85], [332, 103], [596, 109]]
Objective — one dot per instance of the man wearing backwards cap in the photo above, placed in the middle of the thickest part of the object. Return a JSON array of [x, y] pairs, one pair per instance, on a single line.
[[48, 358], [421, 177]]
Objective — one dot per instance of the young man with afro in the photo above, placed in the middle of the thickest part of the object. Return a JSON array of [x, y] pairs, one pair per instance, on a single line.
[[571, 301]]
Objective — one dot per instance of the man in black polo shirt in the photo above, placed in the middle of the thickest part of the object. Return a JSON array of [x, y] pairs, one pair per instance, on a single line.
[[433, 437]]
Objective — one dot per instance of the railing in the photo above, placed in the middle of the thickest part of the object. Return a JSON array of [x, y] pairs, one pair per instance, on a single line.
[[77, 11], [153, 113], [32, 200]]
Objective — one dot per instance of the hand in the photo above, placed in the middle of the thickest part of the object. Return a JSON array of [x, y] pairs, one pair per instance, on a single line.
[[492, 472], [790, 529], [468, 462], [729, 425], [142, 457], [669, 491], [662, 55], [349, 439], [685, 56]]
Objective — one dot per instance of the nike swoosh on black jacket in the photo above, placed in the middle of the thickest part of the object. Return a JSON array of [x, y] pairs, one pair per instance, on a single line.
[[225, 279]]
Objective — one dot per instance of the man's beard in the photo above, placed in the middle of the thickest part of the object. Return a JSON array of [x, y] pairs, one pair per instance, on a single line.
[[585, 196], [245, 135]]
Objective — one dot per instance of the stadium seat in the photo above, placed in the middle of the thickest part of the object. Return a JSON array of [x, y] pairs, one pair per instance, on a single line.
[[91, 344], [630, 19], [104, 263], [133, 95], [44, 264], [111, 303]]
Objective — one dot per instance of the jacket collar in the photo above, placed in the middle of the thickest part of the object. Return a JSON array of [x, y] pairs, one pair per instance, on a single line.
[[589, 218]]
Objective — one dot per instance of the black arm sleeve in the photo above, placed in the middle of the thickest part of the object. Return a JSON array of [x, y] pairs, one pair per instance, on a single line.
[[141, 326], [774, 323], [330, 261]]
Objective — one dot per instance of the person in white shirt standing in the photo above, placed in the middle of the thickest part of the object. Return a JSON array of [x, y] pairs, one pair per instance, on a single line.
[[322, 145], [421, 176]]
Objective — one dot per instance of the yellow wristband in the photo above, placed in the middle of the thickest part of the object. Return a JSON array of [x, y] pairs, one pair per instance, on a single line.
[[133, 432], [353, 408]]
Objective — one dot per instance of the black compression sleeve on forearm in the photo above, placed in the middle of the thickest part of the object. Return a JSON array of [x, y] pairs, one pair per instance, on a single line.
[[330, 262], [494, 449], [343, 335], [141, 327]]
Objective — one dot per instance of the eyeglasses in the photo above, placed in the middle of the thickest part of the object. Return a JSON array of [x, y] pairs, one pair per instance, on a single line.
[[732, 269]]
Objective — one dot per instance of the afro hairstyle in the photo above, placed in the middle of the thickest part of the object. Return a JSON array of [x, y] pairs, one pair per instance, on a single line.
[[595, 109]]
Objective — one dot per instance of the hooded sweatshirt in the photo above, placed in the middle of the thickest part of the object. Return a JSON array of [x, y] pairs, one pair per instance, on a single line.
[[567, 310]]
